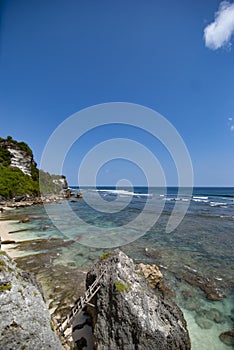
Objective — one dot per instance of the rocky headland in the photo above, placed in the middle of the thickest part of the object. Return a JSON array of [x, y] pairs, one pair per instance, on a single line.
[[128, 313], [21, 182]]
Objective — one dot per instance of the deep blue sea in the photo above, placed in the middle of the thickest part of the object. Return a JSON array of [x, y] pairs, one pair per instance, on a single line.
[[136, 219]]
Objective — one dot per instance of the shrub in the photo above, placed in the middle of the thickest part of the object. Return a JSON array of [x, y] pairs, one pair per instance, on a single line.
[[121, 287], [105, 255], [14, 182], [5, 157]]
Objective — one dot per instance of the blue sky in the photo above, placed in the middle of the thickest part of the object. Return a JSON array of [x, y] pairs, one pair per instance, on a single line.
[[58, 57]]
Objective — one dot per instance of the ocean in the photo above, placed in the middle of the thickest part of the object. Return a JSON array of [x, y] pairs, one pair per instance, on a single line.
[[196, 257]]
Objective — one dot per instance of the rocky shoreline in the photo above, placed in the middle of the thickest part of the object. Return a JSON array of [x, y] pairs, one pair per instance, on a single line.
[[25, 201], [58, 283], [58, 280]]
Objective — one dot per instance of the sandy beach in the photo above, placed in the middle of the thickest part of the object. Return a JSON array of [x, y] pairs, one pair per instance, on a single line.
[[4, 229], [5, 236]]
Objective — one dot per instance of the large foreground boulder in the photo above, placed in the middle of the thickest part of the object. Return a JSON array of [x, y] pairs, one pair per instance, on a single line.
[[24, 319], [128, 315]]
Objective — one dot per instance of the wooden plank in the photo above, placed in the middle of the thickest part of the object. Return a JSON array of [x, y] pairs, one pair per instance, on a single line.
[[81, 302]]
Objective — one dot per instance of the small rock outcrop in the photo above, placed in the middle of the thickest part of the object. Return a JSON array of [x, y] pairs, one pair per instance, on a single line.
[[152, 274], [128, 315], [24, 319], [208, 286], [227, 338]]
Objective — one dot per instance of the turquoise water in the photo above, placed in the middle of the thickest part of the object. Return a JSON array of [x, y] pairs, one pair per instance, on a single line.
[[201, 244]]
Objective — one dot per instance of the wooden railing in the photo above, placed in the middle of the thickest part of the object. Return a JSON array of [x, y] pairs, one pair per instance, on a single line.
[[80, 304]]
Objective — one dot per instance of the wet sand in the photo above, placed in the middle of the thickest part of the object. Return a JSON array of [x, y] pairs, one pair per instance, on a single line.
[[5, 228]]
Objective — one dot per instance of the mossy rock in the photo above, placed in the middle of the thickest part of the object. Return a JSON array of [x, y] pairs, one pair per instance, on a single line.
[[5, 286], [105, 255], [121, 287]]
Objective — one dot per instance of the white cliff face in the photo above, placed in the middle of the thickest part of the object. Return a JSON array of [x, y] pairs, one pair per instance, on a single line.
[[20, 159], [59, 182]]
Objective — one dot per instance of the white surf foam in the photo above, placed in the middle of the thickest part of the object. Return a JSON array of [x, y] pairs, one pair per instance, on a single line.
[[200, 197], [125, 193], [217, 204]]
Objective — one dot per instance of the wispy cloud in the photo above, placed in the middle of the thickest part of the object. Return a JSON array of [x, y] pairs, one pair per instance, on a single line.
[[218, 33], [230, 123]]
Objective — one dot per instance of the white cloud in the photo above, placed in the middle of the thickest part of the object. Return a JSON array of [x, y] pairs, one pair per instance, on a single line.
[[230, 119], [218, 33], [232, 128]]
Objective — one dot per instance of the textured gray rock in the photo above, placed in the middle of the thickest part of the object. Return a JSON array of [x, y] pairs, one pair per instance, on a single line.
[[128, 314], [24, 319]]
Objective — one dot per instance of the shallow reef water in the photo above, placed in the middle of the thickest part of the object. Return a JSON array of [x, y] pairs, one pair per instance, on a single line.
[[196, 258]]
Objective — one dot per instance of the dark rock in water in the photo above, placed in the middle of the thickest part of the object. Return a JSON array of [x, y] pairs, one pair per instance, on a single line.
[[24, 319], [47, 227], [192, 305], [66, 193], [213, 315], [206, 285], [24, 220], [43, 244], [232, 315], [203, 323], [8, 241], [165, 290], [128, 314], [227, 338], [215, 296], [187, 294], [71, 264], [21, 230]]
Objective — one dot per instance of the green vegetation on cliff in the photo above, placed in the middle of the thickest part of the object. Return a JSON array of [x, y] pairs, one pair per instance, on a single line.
[[20, 145], [5, 157], [49, 183], [14, 182]]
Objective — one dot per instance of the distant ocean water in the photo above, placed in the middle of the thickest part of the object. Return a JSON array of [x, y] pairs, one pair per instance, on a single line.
[[203, 243]]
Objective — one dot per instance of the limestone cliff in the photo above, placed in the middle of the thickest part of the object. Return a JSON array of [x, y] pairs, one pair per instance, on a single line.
[[24, 319], [19, 176], [20, 155], [128, 315]]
